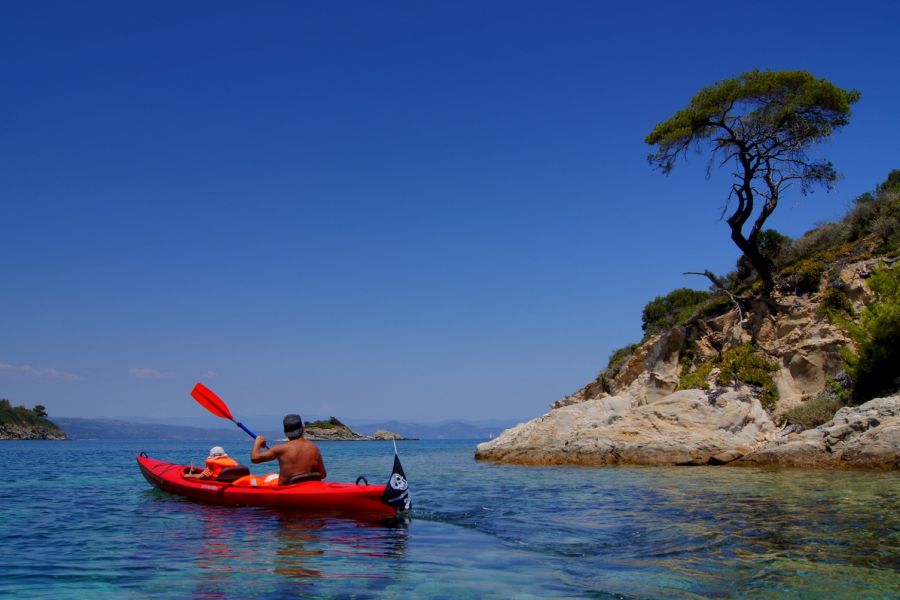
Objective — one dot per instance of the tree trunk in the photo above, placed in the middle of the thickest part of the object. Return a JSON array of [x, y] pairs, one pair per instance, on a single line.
[[760, 263], [742, 213]]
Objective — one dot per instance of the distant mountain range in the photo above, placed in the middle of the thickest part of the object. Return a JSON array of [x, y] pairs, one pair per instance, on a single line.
[[79, 428], [107, 429]]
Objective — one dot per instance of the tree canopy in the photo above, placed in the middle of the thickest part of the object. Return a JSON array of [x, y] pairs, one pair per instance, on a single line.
[[763, 124]]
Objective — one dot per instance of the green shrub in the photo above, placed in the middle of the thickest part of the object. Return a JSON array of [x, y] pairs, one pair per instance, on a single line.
[[617, 357], [836, 299], [715, 305], [886, 284], [891, 184], [674, 308], [821, 409], [743, 365], [821, 239], [696, 379], [878, 214], [836, 306], [875, 366], [617, 360], [815, 412], [19, 415], [332, 423], [804, 276]]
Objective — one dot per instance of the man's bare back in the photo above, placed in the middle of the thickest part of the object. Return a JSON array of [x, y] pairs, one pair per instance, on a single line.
[[296, 457]]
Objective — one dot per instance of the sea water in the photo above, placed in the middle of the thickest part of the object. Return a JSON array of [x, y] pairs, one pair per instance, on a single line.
[[77, 520]]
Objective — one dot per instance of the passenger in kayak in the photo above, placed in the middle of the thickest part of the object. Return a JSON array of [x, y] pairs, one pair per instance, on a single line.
[[215, 462], [298, 459]]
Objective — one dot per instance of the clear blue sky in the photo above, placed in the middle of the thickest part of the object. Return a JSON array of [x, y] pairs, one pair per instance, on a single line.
[[403, 210]]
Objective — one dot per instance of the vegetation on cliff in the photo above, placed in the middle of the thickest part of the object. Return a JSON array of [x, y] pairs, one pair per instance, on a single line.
[[331, 423], [19, 415], [737, 366], [875, 368], [808, 267]]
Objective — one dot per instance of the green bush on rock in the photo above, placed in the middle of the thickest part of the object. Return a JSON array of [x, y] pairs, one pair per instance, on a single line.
[[739, 366], [815, 412], [672, 309], [617, 360], [743, 365], [874, 368], [697, 379], [821, 409]]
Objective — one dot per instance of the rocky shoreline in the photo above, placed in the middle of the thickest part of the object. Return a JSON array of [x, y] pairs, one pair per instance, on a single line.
[[639, 413], [692, 428], [10, 431]]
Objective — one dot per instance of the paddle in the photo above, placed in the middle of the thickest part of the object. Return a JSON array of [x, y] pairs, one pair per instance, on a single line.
[[211, 402]]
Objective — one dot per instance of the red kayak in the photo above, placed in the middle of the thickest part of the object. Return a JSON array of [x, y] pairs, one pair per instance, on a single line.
[[311, 496]]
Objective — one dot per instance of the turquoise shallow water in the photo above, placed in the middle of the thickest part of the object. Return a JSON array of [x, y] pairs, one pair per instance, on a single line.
[[78, 520]]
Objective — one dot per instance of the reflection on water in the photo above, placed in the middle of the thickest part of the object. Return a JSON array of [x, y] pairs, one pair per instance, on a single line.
[[261, 551], [297, 541]]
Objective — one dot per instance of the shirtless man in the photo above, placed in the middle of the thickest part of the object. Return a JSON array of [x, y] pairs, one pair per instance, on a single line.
[[296, 457]]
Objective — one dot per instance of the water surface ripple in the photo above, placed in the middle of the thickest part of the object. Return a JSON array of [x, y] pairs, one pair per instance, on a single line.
[[77, 519]]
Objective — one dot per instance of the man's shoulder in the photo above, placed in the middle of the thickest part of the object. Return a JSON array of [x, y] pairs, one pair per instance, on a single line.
[[307, 445]]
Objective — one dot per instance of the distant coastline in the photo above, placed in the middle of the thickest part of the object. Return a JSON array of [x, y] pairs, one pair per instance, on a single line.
[[79, 428]]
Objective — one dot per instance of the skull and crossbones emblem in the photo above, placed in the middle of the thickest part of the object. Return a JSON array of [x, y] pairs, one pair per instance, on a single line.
[[398, 482]]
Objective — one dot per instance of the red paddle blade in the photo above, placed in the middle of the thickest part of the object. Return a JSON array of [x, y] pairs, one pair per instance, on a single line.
[[208, 400]]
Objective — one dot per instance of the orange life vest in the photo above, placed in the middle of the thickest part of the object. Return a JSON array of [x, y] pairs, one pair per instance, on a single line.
[[215, 464], [267, 480]]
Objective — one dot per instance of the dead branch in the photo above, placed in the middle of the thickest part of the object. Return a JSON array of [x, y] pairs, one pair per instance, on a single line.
[[718, 285]]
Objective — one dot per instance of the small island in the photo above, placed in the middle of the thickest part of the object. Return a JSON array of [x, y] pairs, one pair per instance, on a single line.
[[20, 423], [334, 429]]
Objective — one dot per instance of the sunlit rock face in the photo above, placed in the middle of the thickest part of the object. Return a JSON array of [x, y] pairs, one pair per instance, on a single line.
[[685, 427], [865, 436]]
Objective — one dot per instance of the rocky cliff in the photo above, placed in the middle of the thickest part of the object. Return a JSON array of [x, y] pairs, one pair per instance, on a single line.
[[641, 413], [13, 431], [20, 423]]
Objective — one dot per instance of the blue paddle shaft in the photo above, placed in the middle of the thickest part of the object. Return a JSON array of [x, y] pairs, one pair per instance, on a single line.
[[250, 433], [241, 425]]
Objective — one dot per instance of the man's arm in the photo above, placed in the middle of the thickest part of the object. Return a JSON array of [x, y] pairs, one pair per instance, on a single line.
[[256, 456]]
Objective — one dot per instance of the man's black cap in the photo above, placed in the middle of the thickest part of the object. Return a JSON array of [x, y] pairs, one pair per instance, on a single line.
[[293, 426]]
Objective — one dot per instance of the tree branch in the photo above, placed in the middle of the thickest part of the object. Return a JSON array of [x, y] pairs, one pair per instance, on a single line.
[[717, 283]]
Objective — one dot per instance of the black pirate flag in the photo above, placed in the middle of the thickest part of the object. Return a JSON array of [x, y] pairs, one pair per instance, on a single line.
[[396, 492]]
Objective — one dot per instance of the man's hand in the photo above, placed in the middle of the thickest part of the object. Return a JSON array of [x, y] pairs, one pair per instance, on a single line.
[[259, 457]]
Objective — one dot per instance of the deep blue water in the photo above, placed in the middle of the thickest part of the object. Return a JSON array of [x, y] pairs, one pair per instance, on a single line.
[[78, 520]]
